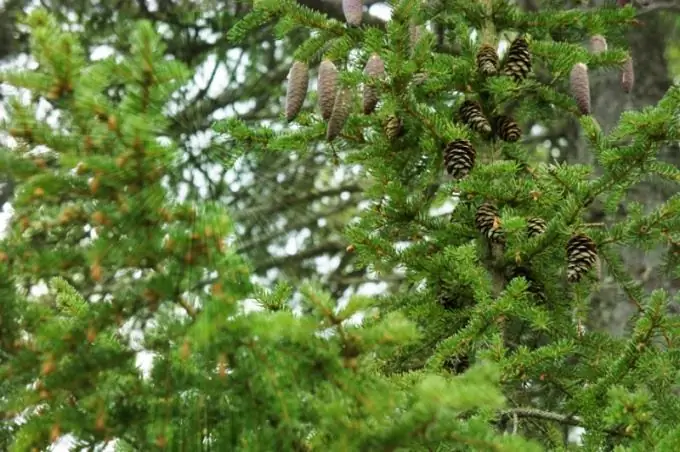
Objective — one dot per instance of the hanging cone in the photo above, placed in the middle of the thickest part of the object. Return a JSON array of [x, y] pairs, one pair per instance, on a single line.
[[535, 226], [487, 60], [581, 256], [518, 61], [353, 11], [489, 223], [459, 158], [394, 127], [598, 44], [507, 129], [375, 68], [327, 86], [298, 81], [340, 113], [580, 87], [627, 75], [471, 114]]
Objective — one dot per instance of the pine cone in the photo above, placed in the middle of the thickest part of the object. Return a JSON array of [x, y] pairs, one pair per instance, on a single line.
[[581, 256], [507, 129], [298, 81], [518, 61], [327, 86], [471, 114], [394, 127], [375, 68], [487, 60], [627, 75], [353, 11], [459, 158], [580, 87], [488, 222], [340, 113], [598, 44], [535, 226], [535, 287]]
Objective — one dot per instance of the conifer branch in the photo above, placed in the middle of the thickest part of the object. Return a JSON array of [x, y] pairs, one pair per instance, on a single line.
[[545, 415], [292, 198], [533, 413], [186, 120]]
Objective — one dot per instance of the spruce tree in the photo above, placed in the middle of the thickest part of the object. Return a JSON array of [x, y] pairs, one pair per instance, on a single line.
[[127, 267], [507, 276]]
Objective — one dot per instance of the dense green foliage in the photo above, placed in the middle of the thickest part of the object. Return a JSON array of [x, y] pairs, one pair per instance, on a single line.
[[483, 349], [509, 303], [274, 197]]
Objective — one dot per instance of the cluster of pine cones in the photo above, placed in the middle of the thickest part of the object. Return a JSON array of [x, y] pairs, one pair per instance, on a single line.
[[459, 154], [579, 81], [335, 102], [581, 249]]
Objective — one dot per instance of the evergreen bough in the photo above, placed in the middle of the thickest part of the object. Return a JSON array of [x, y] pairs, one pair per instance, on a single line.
[[498, 294]]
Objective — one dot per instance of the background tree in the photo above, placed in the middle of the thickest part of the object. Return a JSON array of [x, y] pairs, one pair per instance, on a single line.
[[509, 278]]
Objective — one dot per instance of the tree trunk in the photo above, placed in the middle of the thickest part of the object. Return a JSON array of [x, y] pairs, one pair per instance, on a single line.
[[611, 309]]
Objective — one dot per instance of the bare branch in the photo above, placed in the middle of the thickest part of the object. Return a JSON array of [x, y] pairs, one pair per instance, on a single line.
[[565, 419], [292, 199], [324, 248]]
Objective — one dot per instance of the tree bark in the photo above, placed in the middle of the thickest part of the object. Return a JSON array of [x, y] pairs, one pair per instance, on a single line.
[[611, 309]]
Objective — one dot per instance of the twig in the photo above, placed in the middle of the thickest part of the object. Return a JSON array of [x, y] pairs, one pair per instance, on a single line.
[[545, 415], [534, 413]]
